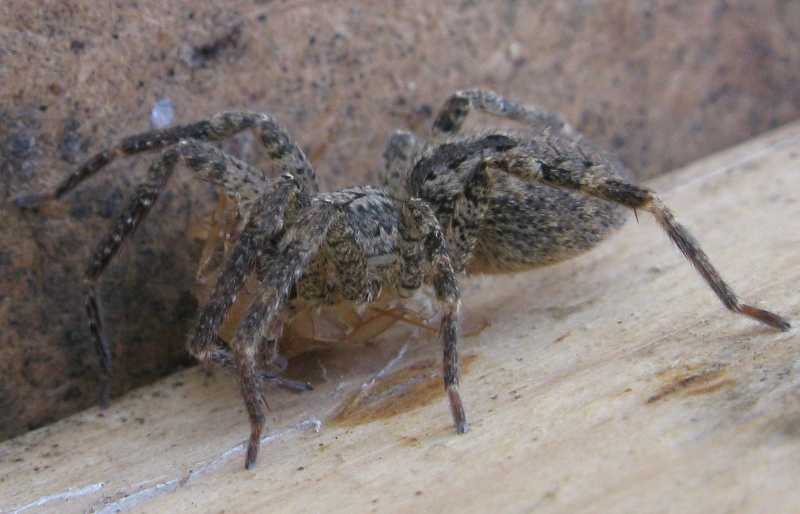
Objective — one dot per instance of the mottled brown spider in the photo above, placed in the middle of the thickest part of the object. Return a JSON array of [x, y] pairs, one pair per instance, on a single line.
[[489, 202]]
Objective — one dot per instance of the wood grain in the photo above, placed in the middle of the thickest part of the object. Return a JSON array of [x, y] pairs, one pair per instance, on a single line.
[[614, 383]]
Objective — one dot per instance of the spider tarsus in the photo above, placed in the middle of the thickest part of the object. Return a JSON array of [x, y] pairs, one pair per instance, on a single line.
[[457, 408], [105, 392], [252, 446], [766, 317], [292, 385]]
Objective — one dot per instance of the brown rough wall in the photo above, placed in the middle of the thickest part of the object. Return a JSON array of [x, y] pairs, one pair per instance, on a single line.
[[659, 82]]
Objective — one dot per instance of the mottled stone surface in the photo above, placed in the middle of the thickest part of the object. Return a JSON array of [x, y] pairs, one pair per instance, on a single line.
[[661, 83]]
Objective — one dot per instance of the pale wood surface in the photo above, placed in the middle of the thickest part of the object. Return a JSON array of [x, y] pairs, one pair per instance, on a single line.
[[614, 383]]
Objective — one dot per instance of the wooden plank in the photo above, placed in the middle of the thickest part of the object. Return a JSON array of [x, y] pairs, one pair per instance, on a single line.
[[614, 382]]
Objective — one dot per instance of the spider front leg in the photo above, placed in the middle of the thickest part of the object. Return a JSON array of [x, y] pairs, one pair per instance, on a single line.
[[281, 259], [141, 203], [286, 155], [266, 221], [456, 109], [423, 251], [566, 163], [206, 162]]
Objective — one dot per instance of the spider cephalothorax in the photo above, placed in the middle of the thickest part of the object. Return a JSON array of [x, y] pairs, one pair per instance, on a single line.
[[490, 202]]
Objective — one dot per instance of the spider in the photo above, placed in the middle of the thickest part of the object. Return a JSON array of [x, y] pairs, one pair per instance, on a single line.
[[487, 202]]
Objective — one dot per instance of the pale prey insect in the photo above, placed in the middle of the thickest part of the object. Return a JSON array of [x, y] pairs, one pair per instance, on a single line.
[[490, 202]]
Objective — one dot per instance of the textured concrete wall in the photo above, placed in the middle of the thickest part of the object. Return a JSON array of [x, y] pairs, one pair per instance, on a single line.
[[661, 83]]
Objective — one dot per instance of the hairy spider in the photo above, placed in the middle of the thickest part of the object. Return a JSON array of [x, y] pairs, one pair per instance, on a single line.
[[489, 202]]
